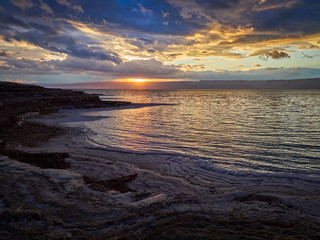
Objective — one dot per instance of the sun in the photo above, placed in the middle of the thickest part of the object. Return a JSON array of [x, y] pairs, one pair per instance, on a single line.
[[139, 80]]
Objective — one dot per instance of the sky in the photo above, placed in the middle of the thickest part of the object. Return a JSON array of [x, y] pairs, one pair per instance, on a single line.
[[70, 41]]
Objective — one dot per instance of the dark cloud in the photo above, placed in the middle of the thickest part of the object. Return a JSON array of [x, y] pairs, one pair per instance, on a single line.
[[5, 53], [26, 66], [143, 16], [216, 4], [273, 68], [175, 54], [144, 68], [45, 7], [23, 4], [284, 18], [51, 37], [146, 40], [6, 21], [75, 7], [290, 17], [79, 65], [140, 42], [47, 29], [253, 38], [287, 18], [274, 55], [181, 17], [136, 68], [307, 56], [83, 51]]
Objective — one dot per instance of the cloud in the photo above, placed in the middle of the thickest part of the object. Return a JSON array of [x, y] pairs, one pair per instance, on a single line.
[[254, 38], [5, 53], [80, 65], [45, 7], [165, 14], [200, 60], [145, 68], [6, 21], [69, 5], [51, 37], [46, 29], [217, 4], [23, 4], [114, 11], [141, 42], [78, 8], [26, 66], [270, 19], [64, 2], [83, 51], [273, 4], [152, 69], [264, 51], [272, 68], [256, 64], [166, 23], [144, 10], [189, 67], [274, 55], [254, 74], [21, 81], [307, 56], [287, 17], [136, 68]]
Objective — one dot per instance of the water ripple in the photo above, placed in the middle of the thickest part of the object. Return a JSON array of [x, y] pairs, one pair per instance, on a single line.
[[274, 131]]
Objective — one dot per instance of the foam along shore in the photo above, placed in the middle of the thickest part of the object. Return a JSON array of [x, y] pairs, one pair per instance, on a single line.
[[102, 194]]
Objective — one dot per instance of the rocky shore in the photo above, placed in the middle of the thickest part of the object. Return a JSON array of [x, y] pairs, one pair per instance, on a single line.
[[55, 185], [18, 102]]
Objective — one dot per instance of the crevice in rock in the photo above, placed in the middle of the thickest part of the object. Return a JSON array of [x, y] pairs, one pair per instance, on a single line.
[[55, 160], [117, 184]]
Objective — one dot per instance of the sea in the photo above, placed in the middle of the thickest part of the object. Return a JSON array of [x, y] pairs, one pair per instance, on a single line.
[[232, 131]]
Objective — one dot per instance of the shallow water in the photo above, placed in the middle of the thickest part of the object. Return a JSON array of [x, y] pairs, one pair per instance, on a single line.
[[237, 131]]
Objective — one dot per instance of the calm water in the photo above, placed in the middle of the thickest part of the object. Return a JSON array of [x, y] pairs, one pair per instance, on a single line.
[[236, 130]]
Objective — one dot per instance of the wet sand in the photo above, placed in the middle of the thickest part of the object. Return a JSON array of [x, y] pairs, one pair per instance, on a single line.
[[100, 194]]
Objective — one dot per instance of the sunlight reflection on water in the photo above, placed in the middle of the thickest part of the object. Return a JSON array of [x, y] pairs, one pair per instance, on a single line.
[[273, 131]]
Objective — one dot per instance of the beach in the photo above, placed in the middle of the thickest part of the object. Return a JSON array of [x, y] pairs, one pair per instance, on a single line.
[[55, 184]]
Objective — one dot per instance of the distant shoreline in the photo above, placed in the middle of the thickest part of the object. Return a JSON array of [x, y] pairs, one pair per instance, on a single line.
[[295, 84]]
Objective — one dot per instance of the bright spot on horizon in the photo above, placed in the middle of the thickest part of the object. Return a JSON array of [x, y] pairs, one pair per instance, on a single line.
[[139, 80]]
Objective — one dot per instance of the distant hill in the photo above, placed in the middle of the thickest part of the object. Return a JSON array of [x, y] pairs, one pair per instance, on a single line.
[[302, 84]]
